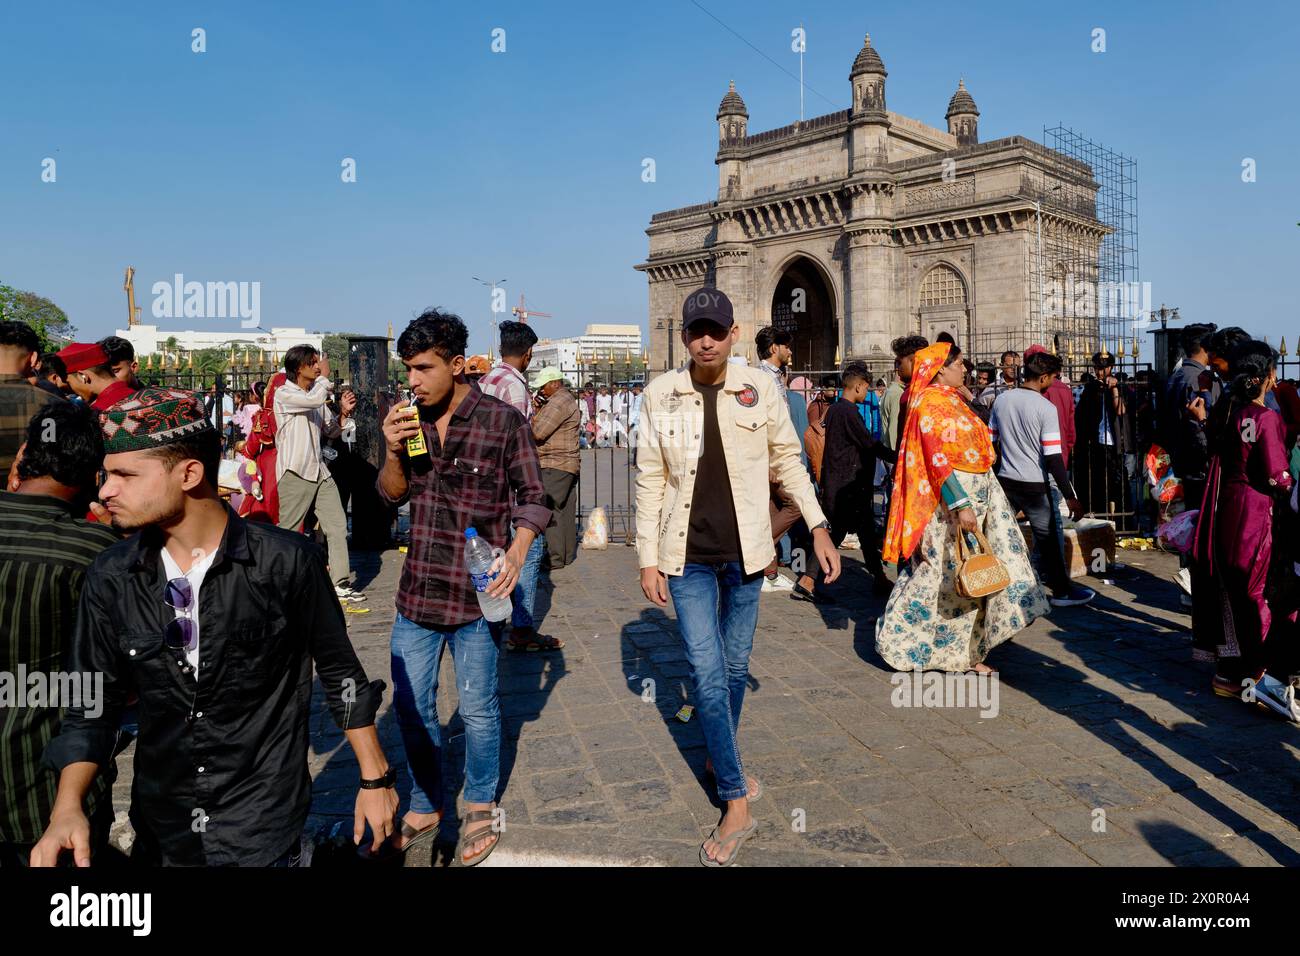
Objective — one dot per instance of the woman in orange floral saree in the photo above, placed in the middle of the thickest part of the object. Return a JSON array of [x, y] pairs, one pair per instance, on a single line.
[[944, 480]]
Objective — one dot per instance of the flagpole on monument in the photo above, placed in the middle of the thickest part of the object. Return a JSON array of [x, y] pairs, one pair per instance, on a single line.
[[492, 323], [803, 43]]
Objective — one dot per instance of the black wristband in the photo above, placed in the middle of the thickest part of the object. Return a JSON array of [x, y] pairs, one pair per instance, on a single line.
[[388, 780]]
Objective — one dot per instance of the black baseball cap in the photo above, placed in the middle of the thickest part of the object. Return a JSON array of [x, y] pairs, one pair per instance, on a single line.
[[707, 305]]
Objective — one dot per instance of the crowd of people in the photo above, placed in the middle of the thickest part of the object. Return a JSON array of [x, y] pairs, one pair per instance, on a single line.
[[201, 608], [609, 417], [962, 454]]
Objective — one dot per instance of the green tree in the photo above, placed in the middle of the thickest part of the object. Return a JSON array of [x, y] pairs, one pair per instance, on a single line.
[[48, 321], [209, 362], [335, 347]]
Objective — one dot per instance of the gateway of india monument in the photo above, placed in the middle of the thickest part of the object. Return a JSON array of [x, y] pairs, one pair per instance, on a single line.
[[855, 227]]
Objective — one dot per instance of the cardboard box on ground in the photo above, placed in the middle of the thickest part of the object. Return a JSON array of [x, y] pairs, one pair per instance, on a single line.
[[1089, 546]]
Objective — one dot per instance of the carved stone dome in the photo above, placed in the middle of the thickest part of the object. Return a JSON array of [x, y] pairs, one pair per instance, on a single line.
[[868, 60], [961, 102], [732, 104]]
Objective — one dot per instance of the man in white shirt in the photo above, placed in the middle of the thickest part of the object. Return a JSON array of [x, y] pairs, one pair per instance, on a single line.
[[1005, 382], [506, 381], [774, 352], [222, 425], [620, 415], [633, 418], [302, 415]]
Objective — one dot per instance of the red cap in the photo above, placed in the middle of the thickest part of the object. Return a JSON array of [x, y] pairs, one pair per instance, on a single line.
[[1034, 350], [80, 356]]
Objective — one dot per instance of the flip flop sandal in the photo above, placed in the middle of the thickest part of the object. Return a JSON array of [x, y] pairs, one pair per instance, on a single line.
[[407, 832], [738, 838], [533, 645], [468, 839]]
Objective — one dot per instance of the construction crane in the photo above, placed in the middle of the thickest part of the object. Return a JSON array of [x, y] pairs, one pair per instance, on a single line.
[[522, 313], [132, 311]]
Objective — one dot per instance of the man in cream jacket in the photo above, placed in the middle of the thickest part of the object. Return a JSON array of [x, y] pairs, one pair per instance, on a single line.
[[708, 434]]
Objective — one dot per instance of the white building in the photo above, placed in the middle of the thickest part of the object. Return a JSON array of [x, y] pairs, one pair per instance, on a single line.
[[600, 343], [602, 340], [149, 339], [561, 354]]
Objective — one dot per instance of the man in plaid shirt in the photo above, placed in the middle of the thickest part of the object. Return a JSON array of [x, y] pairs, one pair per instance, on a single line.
[[19, 399], [484, 474], [505, 380]]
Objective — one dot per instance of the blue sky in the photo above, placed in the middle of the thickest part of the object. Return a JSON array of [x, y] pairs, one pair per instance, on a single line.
[[225, 166]]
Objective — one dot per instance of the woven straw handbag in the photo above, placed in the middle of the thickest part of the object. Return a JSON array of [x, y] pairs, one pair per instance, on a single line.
[[979, 575]]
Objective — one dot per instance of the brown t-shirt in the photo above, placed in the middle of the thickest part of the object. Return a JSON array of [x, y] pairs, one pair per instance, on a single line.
[[713, 536]]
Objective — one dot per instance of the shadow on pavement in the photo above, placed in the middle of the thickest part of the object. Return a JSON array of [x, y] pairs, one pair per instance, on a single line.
[[525, 682], [1219, 736], [654, 663]]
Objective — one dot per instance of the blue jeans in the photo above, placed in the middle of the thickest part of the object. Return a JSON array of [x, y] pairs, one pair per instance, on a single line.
[[417, 656], [717, 611], [525, 592]]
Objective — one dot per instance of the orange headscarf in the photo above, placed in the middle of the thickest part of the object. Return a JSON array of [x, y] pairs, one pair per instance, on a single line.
[[940, 434]]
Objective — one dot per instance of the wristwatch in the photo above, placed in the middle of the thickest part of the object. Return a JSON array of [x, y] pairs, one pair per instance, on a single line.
[[385, 782], [825, 526]]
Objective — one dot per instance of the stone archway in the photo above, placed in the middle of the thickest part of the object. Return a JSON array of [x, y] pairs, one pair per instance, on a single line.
[[803, 304]]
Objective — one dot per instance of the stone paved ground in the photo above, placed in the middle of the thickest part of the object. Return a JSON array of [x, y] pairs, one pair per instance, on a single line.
[[1100, 710]]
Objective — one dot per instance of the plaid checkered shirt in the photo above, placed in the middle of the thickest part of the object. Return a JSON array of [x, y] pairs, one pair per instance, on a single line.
[[485, 477], [19, 402], [508, 384]]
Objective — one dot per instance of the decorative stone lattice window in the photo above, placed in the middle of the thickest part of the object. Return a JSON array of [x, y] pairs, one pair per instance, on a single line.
[[942, 286]]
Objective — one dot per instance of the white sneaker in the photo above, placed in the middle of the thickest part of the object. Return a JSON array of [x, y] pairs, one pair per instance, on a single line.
[[850, 543], [778, 583], [1078, 595], [346, 594], [1278, 697], [1184, 580]]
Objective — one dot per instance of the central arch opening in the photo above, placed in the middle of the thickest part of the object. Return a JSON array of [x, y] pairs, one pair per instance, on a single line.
[[804, 305]]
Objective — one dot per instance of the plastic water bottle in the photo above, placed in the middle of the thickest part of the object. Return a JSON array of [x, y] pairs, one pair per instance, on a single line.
[[479, 558]]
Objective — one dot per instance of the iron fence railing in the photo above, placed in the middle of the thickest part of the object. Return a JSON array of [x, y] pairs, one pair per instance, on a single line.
[[235, 382], [1111, 476], [1108, 470]]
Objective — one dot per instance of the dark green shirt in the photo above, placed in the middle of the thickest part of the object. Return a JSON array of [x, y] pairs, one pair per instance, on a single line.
[[44, 552]]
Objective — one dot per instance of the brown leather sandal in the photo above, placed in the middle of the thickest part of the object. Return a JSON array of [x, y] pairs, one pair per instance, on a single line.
[[534, 643], [470, 837]]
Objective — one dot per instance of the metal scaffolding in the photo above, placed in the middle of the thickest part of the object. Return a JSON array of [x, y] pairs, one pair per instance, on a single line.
[[1091, 293]]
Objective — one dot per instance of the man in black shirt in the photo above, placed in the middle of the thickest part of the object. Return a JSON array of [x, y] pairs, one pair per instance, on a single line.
[[1182, 434], [848, 472], [1097, 423], [215, 623]]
